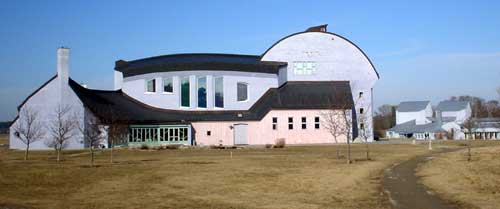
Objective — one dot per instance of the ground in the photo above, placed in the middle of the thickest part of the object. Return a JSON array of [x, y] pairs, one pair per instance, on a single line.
[[293, 177], [475, 184]]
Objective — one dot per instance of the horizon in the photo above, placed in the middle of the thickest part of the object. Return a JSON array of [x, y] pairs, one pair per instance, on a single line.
[[426, 53]]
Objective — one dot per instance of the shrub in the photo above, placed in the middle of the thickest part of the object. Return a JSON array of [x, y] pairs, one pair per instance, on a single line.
[[280, 143], [144, 147], [269, 146]]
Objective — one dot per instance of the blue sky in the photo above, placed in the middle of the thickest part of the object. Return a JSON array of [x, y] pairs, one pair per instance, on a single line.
[[422, 49]]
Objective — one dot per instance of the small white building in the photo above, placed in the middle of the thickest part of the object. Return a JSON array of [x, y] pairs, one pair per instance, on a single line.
[[419, 111], [457, 111]]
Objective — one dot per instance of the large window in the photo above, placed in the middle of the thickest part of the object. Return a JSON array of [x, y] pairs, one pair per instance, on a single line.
[[167, 85], [219, 92], [151, 86], [304, 68], [185, 92], [202, 92], [242, 91]]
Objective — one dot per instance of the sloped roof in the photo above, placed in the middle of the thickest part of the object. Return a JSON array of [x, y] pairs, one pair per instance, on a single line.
[[411, 127], [448, 105], [412, 106], [291, 95], [197, 61]]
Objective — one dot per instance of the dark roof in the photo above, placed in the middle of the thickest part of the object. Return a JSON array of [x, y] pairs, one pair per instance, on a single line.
[[412, 106], [319, 28], [38, 89], [291, 95], [190, 62], [411, 127], [451, 105]]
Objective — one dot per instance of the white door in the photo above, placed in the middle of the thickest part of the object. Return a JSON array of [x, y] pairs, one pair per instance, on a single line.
[[240, 133]]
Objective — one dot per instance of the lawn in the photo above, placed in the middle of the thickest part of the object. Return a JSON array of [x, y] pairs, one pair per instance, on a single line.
[[475, 183], [293, 177]]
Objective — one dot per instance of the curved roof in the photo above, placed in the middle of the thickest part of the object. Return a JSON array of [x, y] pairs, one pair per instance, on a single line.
[[316, 30], [197, 61]]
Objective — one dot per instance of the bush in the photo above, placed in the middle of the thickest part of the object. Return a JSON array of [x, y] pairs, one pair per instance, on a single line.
[[144, 147], [269, 146], [280, 143]]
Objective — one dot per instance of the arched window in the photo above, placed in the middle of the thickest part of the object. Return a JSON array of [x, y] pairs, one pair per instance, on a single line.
[[242, 91]]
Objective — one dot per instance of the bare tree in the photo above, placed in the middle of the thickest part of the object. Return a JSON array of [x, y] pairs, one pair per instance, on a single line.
[[29, 128], [469, 126], [338, 119], [365, 132], [62, 128], [117, 127], [93, 134]]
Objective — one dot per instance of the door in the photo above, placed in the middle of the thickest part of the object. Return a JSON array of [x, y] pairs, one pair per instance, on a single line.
[[240, 133]]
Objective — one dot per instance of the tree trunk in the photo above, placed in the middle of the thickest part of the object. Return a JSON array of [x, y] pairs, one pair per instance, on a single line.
[[26, 152], [367, 151], [58, 154], [91, 157], [348, 151], [112, 149], [469, 155], [337, 148]]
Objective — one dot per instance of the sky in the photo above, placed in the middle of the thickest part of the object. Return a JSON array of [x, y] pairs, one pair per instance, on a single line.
[[423, 50]]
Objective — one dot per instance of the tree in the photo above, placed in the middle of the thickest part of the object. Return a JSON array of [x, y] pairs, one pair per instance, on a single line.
[[332, 123], [117, 127], [93, 134], [62, 129], [29, 128], [469, 126], [384, 118], [365, 132]]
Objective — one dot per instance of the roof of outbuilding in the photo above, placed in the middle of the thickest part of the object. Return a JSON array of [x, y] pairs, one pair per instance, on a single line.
[[451, 105], [197, 61], [292, 95], [411, 127], [412, 106]]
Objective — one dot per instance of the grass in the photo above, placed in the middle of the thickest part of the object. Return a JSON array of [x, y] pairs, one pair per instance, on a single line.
[[4, 139], [475, 183], [293, 177]]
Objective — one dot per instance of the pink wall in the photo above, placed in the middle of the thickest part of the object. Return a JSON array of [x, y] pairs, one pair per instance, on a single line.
[[261, 132]]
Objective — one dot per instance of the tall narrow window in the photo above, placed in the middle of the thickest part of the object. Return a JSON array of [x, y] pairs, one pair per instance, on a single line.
[[275, 123], [219, 92], [360, 94], [202, 92], [167, 85], [304, 123], [151, 86], [242, 91], [290, 123], [185, 92], [316, 122], [361, 110], [362, 126]]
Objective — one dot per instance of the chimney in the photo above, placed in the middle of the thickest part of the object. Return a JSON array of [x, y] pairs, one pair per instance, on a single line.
[[63, 64], [439, 118]]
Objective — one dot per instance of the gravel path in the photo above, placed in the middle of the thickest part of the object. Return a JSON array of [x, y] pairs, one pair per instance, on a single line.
[[403, 189]]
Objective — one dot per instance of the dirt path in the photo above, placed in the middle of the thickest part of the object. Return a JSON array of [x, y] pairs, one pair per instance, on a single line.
[[403, 189]]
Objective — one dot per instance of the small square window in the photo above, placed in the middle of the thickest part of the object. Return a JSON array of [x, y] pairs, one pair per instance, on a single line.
[[290, 120], [151, 86], [275, 119], [360, 94], [209, 133], [362, 126], [361, 110], [275, 126]]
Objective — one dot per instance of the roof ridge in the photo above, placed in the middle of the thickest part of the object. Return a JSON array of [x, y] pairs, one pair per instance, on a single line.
[[190, 54]]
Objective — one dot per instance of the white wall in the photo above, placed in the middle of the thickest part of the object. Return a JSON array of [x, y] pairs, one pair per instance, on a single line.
[[336, 59], [259, 83]]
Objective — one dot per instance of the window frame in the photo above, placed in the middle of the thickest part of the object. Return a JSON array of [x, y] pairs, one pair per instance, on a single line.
[[247, 92], [146, 90], [171, 84], [215, 92]]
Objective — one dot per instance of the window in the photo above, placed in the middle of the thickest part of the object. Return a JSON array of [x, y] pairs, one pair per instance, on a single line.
[[360, 94], [202, 92], [209, 133], [185, 92], [316, 122], [219, 92], [242, 91], [151, 86], [275, 123], [290, 123], [304, 123], [304, 68], [167, 85], [362, 126], [361, 110]]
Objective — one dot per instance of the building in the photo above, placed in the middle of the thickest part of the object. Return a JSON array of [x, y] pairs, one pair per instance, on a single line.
[[485, 128], [228, 99], [417, 119]]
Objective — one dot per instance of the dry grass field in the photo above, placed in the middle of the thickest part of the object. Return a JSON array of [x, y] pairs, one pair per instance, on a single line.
[[4, 139], [293, 177], [475, 183]]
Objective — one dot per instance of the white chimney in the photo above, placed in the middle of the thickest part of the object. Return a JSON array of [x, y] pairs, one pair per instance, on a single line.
[[63, 64]]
